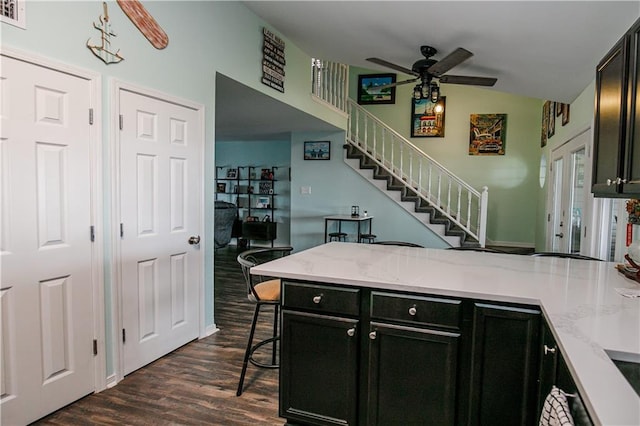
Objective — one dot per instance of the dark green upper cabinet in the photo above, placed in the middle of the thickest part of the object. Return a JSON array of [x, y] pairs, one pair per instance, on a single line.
[[616, 159]]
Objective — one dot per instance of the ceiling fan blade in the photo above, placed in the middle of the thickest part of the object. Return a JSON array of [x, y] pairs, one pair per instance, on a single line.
[[463, 79], [451, 60], [399, 83], [391, 65]]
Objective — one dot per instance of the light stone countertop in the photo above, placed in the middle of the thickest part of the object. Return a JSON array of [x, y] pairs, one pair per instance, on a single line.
[[586, 314]]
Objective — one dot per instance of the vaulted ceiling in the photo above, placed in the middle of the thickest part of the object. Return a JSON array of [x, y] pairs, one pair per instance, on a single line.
[[541, 49]]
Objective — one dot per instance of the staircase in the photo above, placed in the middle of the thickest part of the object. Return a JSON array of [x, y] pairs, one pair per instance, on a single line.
[[437, 198]]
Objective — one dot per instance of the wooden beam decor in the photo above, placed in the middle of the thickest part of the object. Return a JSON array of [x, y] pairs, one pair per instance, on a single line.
[[273, 61]]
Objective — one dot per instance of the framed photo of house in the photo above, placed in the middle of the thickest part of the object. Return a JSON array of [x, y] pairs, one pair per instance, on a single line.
[[427, 118], [317, 150], [487, 134], [372, 90]]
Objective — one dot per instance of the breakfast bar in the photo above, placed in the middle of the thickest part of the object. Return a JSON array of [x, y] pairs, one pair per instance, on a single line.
[[457, 293]]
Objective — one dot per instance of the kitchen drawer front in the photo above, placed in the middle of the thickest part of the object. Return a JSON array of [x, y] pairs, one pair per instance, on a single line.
[[416, 310], [321, 298]]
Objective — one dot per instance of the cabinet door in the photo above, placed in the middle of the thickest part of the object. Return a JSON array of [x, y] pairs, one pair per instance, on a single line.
[[548, 364], [609, 132], [412, 376], [318, 369], [632, 165], [504, 365]]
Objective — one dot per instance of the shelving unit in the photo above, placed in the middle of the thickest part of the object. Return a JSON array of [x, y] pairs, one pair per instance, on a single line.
[[253, 190]]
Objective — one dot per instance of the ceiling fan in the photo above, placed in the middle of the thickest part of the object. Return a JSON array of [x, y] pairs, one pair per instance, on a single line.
[[428, 70]]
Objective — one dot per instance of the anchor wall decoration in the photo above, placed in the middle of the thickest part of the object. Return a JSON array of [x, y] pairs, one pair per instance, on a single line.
[[104, 51]]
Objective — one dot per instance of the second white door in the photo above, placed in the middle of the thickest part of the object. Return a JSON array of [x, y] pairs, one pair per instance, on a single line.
[[160, 145]]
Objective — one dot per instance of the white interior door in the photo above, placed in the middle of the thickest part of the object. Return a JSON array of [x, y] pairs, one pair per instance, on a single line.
[[46, 299], [160, 146], [569, 196]]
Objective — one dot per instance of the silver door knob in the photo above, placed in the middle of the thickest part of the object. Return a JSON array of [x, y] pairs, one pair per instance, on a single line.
[[194, 239], [413, 311], [317, 299], [351, 332], [373, 335]]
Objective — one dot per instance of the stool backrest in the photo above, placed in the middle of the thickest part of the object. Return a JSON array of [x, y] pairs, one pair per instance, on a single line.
[[250, 258]]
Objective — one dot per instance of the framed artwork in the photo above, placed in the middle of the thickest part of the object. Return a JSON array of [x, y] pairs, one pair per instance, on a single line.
[[263, 203], [558, 106], [545, 124], [221, 187], [232, 173], [317, 150], [551, 123], [369, 92], [427, 118], [565, 114], [487, 134]]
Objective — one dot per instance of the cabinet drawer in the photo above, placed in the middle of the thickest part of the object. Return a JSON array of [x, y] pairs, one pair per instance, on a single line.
[[320, 298], [417, 310]]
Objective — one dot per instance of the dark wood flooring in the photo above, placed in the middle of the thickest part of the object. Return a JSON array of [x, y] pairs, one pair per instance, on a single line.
[[196, 384]]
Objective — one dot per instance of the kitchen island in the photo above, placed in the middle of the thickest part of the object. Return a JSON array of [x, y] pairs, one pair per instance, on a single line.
[[589, 319]]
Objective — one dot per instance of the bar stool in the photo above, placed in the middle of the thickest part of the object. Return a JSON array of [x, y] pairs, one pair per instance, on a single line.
[[367, 238], [337, 236], [263, 291]]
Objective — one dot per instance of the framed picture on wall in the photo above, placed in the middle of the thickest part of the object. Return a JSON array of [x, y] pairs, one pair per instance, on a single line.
[[427, 118], [372, 89], [317, 150], [487, 134]]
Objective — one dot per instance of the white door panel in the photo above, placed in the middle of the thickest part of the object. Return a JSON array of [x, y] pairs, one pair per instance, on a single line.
[[47, 289], [160, 174]]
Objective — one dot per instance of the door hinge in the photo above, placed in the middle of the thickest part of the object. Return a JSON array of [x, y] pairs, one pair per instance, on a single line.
[[585, 232], [92, 233], [548, 217], [121, 121], [121, 230], [124, 336], [95, 346], [90, 115]]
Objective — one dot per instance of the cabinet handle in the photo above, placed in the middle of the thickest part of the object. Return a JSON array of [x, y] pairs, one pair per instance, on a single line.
[[317, 299], [548, 350], [351, 332], [372, 335], [413, 311]]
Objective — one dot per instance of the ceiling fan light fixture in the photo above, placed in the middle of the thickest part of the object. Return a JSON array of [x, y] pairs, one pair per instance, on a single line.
[[434, 92], [417, 92]]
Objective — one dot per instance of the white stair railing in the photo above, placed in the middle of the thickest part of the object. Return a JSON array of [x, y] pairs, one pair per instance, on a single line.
[[330, 82], [454, 198], [432, 182]]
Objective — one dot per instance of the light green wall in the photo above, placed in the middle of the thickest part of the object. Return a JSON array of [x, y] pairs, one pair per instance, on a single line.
[[205, 37], [511, 178]]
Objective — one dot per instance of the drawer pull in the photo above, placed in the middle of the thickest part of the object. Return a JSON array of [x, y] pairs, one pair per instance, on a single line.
[[351, 332], [548, 350], [413, 311], [317, 299], [372, 335]]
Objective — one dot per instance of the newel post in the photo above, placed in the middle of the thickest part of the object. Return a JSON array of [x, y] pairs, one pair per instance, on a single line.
[[484, 201]]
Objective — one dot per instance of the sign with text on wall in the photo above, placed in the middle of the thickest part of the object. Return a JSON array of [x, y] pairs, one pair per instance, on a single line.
[[273, 61]]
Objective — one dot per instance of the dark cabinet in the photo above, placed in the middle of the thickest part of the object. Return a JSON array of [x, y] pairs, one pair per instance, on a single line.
[[555, 372], [318, 369], [504, 365], [616, 159], [412, 363], [360, 356], [412, 376]]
